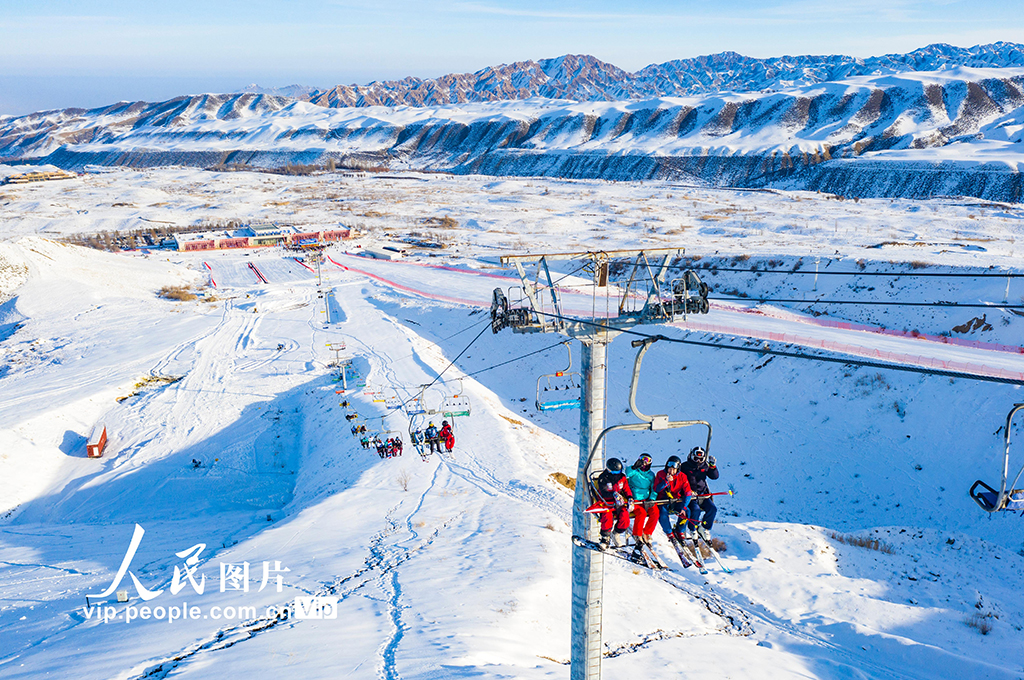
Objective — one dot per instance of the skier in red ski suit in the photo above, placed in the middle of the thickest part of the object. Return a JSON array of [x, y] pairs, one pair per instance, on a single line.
[[613, 490], [447, 436]]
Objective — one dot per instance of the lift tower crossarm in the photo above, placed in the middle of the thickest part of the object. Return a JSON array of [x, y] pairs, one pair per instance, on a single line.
[[589, 255]]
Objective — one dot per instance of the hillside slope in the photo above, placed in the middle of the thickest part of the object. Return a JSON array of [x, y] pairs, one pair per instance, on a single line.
[[458, 566]]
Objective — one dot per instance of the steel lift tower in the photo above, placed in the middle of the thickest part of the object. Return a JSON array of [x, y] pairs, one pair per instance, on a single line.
[[594, 314]]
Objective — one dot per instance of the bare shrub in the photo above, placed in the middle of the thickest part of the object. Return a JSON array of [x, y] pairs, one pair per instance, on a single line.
[[179, 293], [150, 381], [445, 222], [403, 478], [719, 545], [564, 479], [862, 542], [979, 622]]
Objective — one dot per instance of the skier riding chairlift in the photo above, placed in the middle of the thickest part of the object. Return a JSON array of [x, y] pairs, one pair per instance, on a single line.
[[1007, 498], [647, 422], [555, 382]]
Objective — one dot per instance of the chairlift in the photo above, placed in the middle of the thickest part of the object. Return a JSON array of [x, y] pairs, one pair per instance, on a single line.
[[456, 404], [658, 422], [414, 407], [374, 393], [392, 400], [378, 440], [418, 406], [1007, 498], [690, 294], [550, 384]]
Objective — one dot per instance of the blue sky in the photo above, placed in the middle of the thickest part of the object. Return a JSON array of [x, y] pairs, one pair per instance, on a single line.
[[58, 53]]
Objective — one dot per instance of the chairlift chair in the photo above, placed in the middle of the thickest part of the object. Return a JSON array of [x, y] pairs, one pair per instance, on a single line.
[[657, 422], [392, 400], [566, 381], [690, 294], [456, 404], [417, 406], [414, 407], [1008, 497]]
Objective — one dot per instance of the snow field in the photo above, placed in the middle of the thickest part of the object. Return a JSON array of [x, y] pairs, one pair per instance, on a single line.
[[466, 572]]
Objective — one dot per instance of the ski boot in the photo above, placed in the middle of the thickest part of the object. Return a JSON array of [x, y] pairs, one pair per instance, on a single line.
[[703, 532], [619, 539], [605, 541]]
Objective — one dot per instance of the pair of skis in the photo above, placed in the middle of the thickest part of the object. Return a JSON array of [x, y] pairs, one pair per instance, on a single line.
[[645, 557], [689, 553], [695, 540]]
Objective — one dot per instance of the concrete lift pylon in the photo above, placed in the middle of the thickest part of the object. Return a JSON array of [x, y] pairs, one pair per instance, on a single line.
[[659, 305]]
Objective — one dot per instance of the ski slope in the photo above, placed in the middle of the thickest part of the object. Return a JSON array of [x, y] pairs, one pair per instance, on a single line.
[[458, 566]]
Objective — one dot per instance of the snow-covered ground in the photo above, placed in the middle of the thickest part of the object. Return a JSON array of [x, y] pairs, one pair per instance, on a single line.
[[458, 566]]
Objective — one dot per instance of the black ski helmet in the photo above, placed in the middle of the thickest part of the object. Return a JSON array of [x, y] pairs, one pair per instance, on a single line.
[[443, 423], [674, 463], [614, 466], [698, 455]]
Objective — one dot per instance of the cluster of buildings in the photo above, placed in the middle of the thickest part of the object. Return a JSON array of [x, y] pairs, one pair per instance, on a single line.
[[259, 236], [25, 174]]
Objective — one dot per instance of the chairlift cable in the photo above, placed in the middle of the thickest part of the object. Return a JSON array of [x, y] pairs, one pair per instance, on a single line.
[[984, 305], [545, 349], [450, 363], [799, 355], [981, 275]]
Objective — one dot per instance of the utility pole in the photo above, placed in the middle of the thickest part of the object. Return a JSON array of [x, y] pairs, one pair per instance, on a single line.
[[641, 297]]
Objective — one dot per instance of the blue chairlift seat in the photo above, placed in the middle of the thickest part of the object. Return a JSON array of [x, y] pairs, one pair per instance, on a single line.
[[563, 397], [414, 407], [989, 498], [1007, 497]]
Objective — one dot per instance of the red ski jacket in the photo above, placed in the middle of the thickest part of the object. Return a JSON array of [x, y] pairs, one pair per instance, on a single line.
[[609, 484], [678, 488]]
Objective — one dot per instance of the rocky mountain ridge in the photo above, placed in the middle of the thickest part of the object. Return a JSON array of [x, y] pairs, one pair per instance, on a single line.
[[586, 78]]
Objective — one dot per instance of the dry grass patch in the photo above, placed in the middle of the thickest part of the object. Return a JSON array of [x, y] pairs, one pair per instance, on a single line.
[[150, 381], [564, 479], [862, 542], [980, 622], [179, 293], [718, 544]]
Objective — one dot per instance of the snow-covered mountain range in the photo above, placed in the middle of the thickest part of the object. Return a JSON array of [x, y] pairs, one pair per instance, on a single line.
[[953, 130], [586, 78]]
